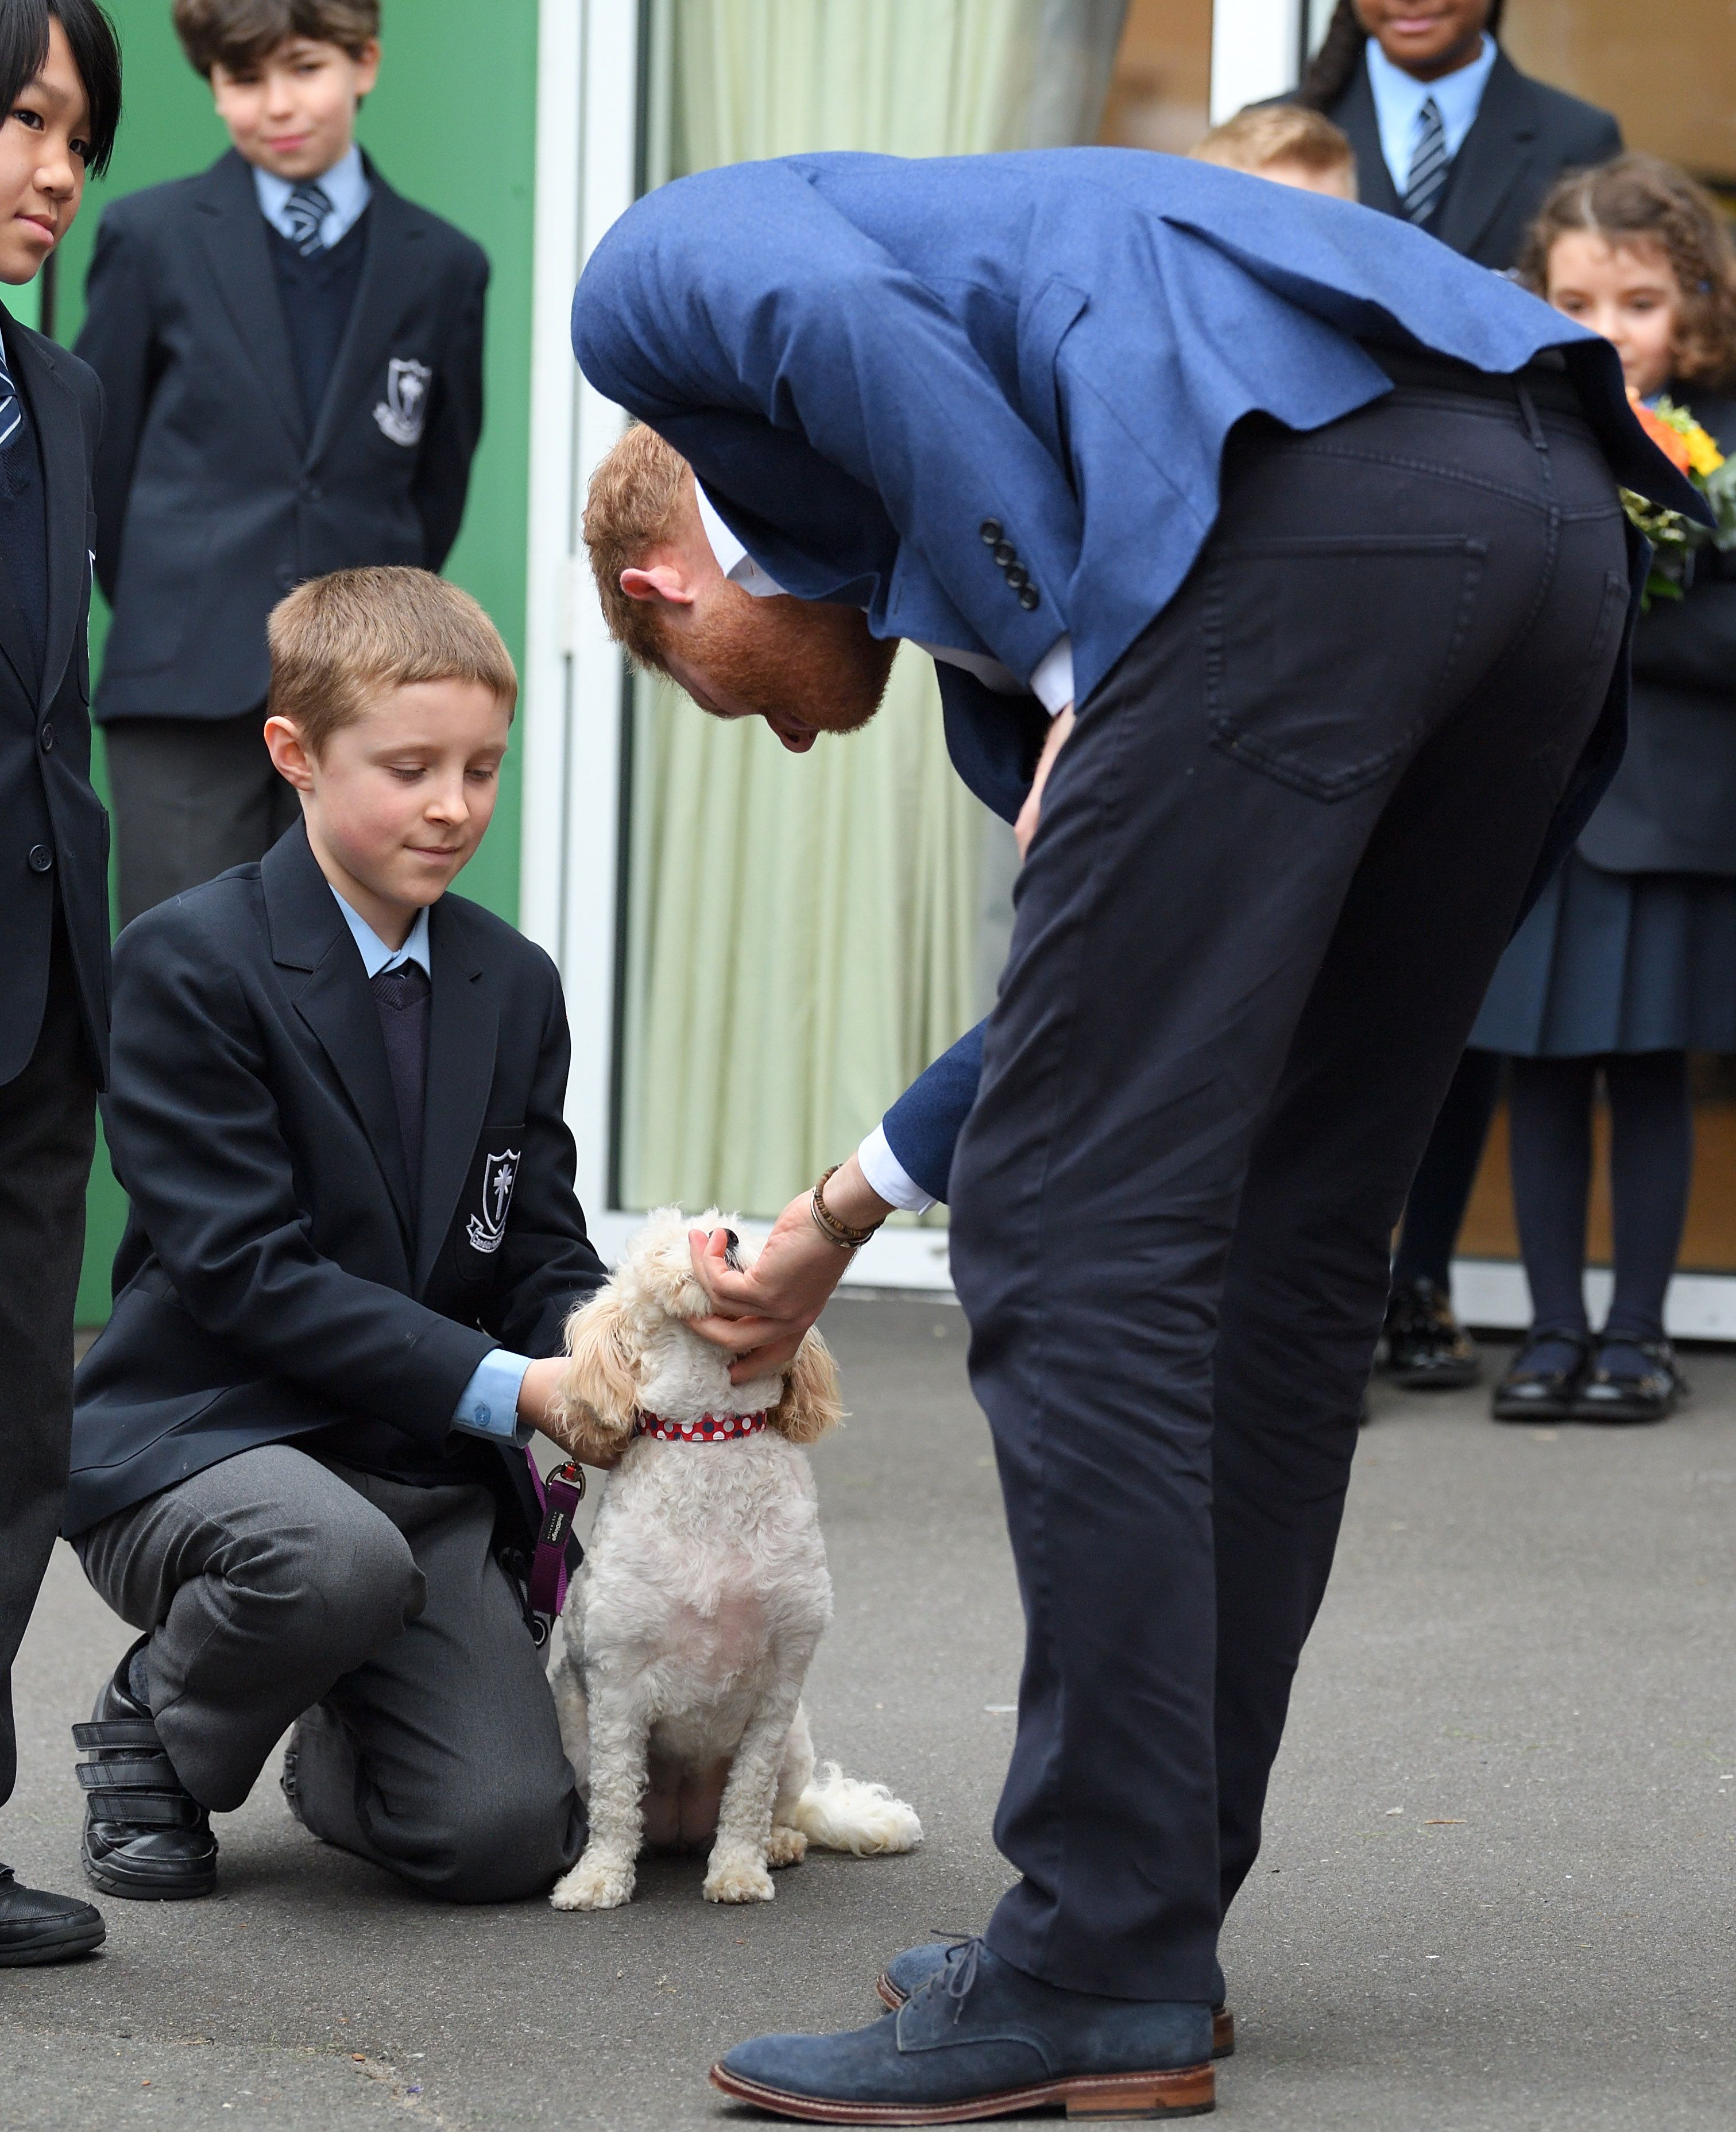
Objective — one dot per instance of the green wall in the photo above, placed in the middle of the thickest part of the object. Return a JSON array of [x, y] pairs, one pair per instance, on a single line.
[[452, 124]]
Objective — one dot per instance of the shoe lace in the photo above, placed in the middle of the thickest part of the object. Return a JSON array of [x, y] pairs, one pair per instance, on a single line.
[[959, 1973]]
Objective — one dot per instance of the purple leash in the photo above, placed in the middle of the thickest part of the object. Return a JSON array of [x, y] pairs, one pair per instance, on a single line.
[[559, 1496]]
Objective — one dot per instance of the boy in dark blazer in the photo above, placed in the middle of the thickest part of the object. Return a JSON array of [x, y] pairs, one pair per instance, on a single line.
[[59, 105], [292, 355], [297, 1448]]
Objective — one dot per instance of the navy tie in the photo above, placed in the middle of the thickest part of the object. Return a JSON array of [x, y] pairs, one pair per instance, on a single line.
[[12, 408], [305, 210], [400, 995], [1429, 164]]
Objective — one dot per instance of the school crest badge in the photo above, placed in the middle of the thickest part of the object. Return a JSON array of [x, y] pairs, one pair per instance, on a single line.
[[403, 411], [500, 1172]]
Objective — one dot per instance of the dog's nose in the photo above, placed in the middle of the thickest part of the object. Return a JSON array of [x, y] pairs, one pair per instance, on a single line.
[[731, 1250]]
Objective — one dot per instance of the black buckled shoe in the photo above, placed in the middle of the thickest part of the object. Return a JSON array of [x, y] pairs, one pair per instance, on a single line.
[[1426, 1347], [145, 1836], [1537, 1386], [36, 1927], [1615, 1392]]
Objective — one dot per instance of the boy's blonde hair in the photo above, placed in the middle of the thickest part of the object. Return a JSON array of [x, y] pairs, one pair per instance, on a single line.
[[338, 643], [1263, 134], [632, 503]]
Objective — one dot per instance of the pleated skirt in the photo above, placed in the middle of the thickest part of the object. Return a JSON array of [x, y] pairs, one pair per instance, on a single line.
[[1616, 962]]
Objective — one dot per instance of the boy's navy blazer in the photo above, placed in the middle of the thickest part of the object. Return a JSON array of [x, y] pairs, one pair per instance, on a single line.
[[54, 834], [213, 498], [272, 1281], [886, 370]]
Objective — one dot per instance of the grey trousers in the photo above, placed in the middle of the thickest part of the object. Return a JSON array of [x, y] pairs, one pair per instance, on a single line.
[[190, 798], [274, 1584]]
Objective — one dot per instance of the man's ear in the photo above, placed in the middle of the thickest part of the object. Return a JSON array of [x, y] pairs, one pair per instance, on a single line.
[[289, 756], [663, 581]]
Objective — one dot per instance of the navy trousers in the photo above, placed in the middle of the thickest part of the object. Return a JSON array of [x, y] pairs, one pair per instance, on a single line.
[[1278, 859]]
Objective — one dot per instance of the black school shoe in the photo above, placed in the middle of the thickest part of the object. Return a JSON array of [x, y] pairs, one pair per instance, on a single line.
[[36, 1927], [1535, 1391], [145, 1836], [1614, 1391], [1426, 1348]]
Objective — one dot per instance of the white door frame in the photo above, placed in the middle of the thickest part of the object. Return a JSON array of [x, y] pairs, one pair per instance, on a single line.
[[574, 696]]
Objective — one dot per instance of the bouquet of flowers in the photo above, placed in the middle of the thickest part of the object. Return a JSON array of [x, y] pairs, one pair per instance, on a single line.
[[1694, 452]]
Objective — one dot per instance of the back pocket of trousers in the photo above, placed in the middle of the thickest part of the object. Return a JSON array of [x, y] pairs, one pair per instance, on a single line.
[[1326, 659]]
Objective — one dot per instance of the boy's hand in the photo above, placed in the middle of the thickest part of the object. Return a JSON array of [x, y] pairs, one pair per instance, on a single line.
[[1031, 813], [763, 1312], [539, 1404]]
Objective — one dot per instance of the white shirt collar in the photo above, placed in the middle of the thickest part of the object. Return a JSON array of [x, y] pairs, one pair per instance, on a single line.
[[733, 560], [345, 186], [1399, 98], [375, 955]]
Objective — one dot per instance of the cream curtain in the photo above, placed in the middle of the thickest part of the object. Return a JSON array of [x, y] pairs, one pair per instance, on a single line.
[[802, 931]]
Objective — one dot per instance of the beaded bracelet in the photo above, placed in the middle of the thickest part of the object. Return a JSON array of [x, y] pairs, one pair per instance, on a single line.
[[834, 1231]]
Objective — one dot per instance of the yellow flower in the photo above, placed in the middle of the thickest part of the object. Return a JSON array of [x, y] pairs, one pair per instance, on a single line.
[[1704, 456]]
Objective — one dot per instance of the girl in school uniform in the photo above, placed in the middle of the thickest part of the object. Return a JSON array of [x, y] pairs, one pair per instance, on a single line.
[[1629, 961]]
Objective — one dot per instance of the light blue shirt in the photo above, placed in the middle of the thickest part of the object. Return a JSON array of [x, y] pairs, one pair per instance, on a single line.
[[1399, 98], [345, 186], [488, 1405]]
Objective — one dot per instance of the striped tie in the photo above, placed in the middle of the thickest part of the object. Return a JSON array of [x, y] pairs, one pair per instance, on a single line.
[[11, 414], [304, 210], [1429, 164]]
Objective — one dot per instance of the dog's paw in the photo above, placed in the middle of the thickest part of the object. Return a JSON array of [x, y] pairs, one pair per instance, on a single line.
[[785, 1847], [738, 1878], [594, 1884]]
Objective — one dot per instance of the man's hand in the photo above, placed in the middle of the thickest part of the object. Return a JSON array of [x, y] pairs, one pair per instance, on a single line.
[[763, 1312], [1025, 827]]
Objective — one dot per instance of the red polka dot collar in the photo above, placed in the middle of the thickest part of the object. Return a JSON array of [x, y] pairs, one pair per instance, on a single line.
[[709, 1429]]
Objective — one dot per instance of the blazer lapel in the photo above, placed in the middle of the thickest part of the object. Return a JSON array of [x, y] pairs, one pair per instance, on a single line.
[[463, 1027], [1494, 157], [308, 933], [233, 233], [49, 401], [389, 277], [1355, 117]]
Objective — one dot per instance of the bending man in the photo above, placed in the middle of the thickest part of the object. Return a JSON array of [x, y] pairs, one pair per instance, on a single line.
[[1273, 562]]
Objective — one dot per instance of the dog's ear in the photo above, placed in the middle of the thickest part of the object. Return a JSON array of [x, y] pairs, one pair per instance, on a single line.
[[601, 1382], [811, 1404]]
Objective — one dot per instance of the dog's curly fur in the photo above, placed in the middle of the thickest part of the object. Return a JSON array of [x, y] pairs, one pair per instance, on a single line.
[[688, 1632]]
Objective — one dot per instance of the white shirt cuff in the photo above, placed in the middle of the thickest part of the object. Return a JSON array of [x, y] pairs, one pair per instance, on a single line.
[[488, 1405], [1052, 678], [887, 1175]]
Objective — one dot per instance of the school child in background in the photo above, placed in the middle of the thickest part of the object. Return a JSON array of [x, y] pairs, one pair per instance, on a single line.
[[292, 357], [1628, 961], [298, 1463], [1286, 143]]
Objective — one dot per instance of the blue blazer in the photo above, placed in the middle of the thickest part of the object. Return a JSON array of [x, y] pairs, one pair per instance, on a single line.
[[870, 361]]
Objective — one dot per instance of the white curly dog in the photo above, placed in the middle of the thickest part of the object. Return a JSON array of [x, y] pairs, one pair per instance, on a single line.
[[688, 1632]]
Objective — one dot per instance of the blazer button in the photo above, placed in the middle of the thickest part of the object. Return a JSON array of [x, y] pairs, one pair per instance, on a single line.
[[311, 491], [991, 530], [1018, 577], [45, 738], [1028, 597], [287, 581], [1005, 552], [41, 859]]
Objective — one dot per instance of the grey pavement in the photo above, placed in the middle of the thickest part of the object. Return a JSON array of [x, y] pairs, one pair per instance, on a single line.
[[1497, 1889]]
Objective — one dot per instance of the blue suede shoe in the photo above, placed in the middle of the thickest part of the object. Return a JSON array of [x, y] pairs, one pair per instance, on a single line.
[[980, 2038], [906, 1974]]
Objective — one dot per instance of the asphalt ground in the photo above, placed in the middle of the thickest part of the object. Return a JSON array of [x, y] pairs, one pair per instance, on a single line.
[[1496, 1892]]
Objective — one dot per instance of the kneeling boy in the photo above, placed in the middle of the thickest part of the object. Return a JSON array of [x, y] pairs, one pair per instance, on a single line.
[[297, 1453]]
